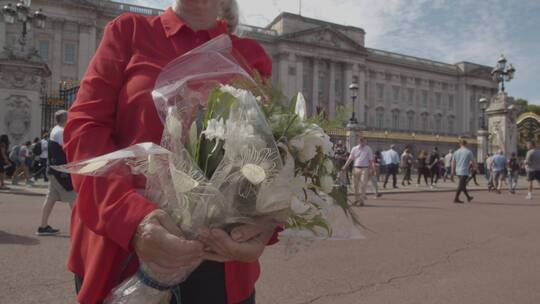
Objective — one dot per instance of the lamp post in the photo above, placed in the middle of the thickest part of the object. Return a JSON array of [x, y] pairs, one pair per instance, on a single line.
[[21, 13], [483, 106], [502, 72], [354, 94]]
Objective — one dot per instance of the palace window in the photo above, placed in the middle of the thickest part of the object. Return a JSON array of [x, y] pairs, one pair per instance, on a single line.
[[43, 49], [451, 102], [438, 124], [450, 125], [438, 100], [396, 91], [411, 96], [425, 126], [380, 91], [380, 118], [424, 98], [395, 119], [69, 53], [410, 120]]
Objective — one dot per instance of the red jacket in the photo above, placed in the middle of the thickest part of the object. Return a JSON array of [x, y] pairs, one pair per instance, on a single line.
[[113, 110]]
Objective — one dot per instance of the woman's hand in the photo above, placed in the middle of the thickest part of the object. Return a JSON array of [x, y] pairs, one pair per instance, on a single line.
[[245, 244], [159, 244]]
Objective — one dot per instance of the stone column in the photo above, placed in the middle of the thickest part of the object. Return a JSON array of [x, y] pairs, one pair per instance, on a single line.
[[299, 75], [502, 124], [348, 81], [361, 100], [283, 65], [482, 149], [332, 88], [84, 47], [57, 54], [315, 84]]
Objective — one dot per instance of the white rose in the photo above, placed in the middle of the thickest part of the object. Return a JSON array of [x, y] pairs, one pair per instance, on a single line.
[[327, 183]]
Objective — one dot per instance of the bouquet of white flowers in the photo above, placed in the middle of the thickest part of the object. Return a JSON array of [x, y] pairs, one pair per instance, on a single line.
[[231, 153]]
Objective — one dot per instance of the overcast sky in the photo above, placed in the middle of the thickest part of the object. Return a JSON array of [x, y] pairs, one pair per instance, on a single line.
[[444, 30]]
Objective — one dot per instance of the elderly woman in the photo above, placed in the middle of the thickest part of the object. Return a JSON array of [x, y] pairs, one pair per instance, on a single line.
[[113, 226]]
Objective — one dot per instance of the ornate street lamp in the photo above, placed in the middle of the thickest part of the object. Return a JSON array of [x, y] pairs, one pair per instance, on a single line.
[[23, 14], [483, 106], [502, 72], [354, 94]]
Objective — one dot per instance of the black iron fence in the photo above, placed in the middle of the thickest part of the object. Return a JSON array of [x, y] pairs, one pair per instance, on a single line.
[[55, 102]]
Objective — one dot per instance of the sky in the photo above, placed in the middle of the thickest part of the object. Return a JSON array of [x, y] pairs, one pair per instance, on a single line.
[[450, 31]]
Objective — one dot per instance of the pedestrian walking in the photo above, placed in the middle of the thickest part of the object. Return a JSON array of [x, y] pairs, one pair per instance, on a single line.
[[448, 166], [532, 165], [422, 168], [377, 160], [22, 157], [498, 168], [340, 156], [361, 157], [460, 167], [60, 187], [433, 165], [391, 160], [513, 173], [489, 174], [473, 169], [42, 156], [406, 165]]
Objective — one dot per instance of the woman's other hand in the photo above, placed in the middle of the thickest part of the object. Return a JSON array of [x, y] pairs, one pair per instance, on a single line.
[[245, 244], [159, 244]]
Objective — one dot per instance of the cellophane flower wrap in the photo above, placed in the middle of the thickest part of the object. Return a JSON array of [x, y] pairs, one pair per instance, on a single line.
[[232, 152]]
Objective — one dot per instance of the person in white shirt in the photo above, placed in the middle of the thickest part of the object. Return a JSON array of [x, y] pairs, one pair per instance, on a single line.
[[448, 166], [362, 158], [391, 161], [60, 188]]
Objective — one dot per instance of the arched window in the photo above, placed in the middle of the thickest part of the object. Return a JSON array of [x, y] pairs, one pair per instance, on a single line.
[[410, 121], [425, 126], [395, 119], [379, 118]]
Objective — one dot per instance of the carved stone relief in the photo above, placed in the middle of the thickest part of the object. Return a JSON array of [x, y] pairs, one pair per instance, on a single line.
[[19, 78], [17, 118]]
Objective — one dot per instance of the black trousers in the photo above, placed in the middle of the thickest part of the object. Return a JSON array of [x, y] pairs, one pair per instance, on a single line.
[[462, 187], [204, 286], [434, 174], [423, 171], [407, 176], [391, 169]]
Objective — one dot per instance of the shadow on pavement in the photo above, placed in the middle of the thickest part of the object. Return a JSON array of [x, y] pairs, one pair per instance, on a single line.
[[8, 238], [507, 204]]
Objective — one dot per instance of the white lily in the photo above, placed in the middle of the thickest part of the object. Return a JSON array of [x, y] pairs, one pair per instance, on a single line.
[[215, 130]]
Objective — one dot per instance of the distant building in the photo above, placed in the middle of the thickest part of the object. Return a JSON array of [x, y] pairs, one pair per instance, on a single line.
[[397, 93]]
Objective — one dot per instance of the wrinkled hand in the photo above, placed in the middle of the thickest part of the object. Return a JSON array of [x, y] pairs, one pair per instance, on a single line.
[[159, 244], [245, 244]]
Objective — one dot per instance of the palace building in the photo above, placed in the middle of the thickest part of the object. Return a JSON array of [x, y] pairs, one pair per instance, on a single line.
[[398, 94]]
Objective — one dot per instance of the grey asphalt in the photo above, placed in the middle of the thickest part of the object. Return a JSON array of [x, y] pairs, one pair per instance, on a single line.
[[421, 249]]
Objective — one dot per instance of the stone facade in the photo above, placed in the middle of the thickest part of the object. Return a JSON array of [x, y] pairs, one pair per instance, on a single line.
[[397, 93]]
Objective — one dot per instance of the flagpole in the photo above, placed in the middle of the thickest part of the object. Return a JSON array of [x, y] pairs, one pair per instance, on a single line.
[[299, 7]]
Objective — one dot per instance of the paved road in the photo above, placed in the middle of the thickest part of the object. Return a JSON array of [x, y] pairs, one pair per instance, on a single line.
[[422, 249]]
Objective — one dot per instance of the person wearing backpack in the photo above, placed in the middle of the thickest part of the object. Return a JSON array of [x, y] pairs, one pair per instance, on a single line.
[[60, 187]]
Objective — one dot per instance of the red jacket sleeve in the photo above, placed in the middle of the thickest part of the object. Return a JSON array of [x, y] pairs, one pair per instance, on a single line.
[[109, 206]]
